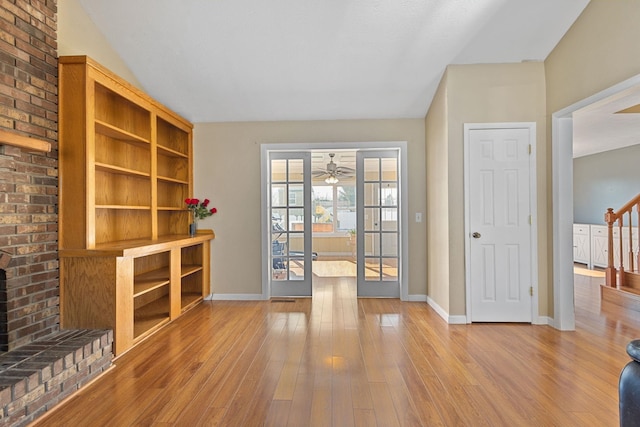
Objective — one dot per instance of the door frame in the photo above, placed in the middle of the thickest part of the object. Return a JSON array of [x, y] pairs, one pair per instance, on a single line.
[[562, 203], [531, 127], [265, 148]]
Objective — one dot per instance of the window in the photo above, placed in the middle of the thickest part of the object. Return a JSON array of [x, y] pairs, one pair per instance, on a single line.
[[333, 208]]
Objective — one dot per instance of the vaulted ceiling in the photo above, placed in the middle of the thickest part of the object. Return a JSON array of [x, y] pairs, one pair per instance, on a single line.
[[256, 60]]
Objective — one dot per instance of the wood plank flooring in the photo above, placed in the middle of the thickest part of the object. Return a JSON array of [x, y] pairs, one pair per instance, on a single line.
[[335, 360]]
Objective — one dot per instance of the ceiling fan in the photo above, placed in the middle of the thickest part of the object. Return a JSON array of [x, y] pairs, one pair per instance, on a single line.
[[333, 171]]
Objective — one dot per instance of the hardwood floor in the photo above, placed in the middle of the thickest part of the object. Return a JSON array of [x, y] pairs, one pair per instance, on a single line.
[[335, 360]]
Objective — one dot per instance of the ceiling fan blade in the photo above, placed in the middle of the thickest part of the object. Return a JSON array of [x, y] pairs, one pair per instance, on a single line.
[[345, 169]]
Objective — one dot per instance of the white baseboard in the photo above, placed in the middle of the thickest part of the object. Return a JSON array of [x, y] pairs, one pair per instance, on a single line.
[[453, 320], [457, 320], [234, 297], [417, 298], [543, 320]]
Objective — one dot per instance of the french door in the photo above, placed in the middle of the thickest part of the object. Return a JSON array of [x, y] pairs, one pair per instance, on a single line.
[[378, 226], [290, 213]]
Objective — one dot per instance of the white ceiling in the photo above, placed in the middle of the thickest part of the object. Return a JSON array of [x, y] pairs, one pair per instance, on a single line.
[[251, 60], [599, 127]]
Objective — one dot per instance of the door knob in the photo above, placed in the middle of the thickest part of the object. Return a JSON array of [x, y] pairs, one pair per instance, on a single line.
[[476, 235]]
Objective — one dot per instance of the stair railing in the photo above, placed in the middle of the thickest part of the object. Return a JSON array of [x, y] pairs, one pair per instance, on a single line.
[[611, 217]]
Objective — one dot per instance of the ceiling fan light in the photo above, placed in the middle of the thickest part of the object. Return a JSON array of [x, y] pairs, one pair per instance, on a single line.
[[331, 180]]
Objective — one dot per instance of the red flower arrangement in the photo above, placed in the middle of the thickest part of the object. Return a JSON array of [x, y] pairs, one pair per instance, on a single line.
[[199, 210]]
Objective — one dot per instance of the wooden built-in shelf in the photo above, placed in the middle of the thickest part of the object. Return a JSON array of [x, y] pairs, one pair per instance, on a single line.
[[189, 269], [171, 208], [17, 140], [174, 180], [128, 207], [170, 152], [140, 247], [189, 300], [150, 281], [105, 167], [150, 317], [119, 134]]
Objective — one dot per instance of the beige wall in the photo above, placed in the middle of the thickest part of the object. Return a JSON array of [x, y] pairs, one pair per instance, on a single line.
[[437, 163], [78, 35], [486, 93], [601, 49], [227, 170]]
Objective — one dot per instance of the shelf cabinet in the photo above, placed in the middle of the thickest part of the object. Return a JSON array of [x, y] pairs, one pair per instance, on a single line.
[[134, 289], [126, 166]]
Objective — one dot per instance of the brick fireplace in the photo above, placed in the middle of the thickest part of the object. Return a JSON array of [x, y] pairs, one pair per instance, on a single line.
[[39, 364], [28, 180]]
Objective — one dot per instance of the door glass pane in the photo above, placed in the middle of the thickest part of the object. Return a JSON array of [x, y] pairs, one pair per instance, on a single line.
[[389, 194], [296, 252], [371, 244], [322, 208], [296, 170], [390, 269], [346, 207], [372, 268], [296, 195], [371, 169], [372, 194], [296, 219], [279, 258], [279, 220], [296, 244], [389, 219], [371, 219], [296, 271], [278, 170], [389, 169], [389, 244], [278, 195]]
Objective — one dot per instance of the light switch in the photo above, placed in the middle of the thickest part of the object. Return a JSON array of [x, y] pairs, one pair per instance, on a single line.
[[418, 216]]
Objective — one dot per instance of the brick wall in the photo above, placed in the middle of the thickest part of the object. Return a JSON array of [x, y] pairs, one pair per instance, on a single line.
[[29, 290], [40, 375]]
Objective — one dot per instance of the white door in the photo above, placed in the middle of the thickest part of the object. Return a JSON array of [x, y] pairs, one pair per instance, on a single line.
[[378, 223], [290, 213], [499, 229]]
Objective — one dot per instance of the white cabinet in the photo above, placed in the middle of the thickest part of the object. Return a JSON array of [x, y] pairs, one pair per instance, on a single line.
[[582, 244], [591, 245], [600, 245]]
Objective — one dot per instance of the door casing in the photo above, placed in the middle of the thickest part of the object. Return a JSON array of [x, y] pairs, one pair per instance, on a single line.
[[531, 127]]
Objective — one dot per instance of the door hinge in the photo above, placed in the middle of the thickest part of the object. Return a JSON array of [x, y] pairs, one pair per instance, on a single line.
[[530, 148], [531, 291], [530, 220]]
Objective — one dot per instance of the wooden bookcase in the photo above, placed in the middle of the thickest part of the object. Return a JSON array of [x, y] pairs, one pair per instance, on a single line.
[[126, 167]]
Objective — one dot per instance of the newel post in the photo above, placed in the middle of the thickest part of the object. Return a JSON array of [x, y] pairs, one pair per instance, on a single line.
[[610, 271]]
